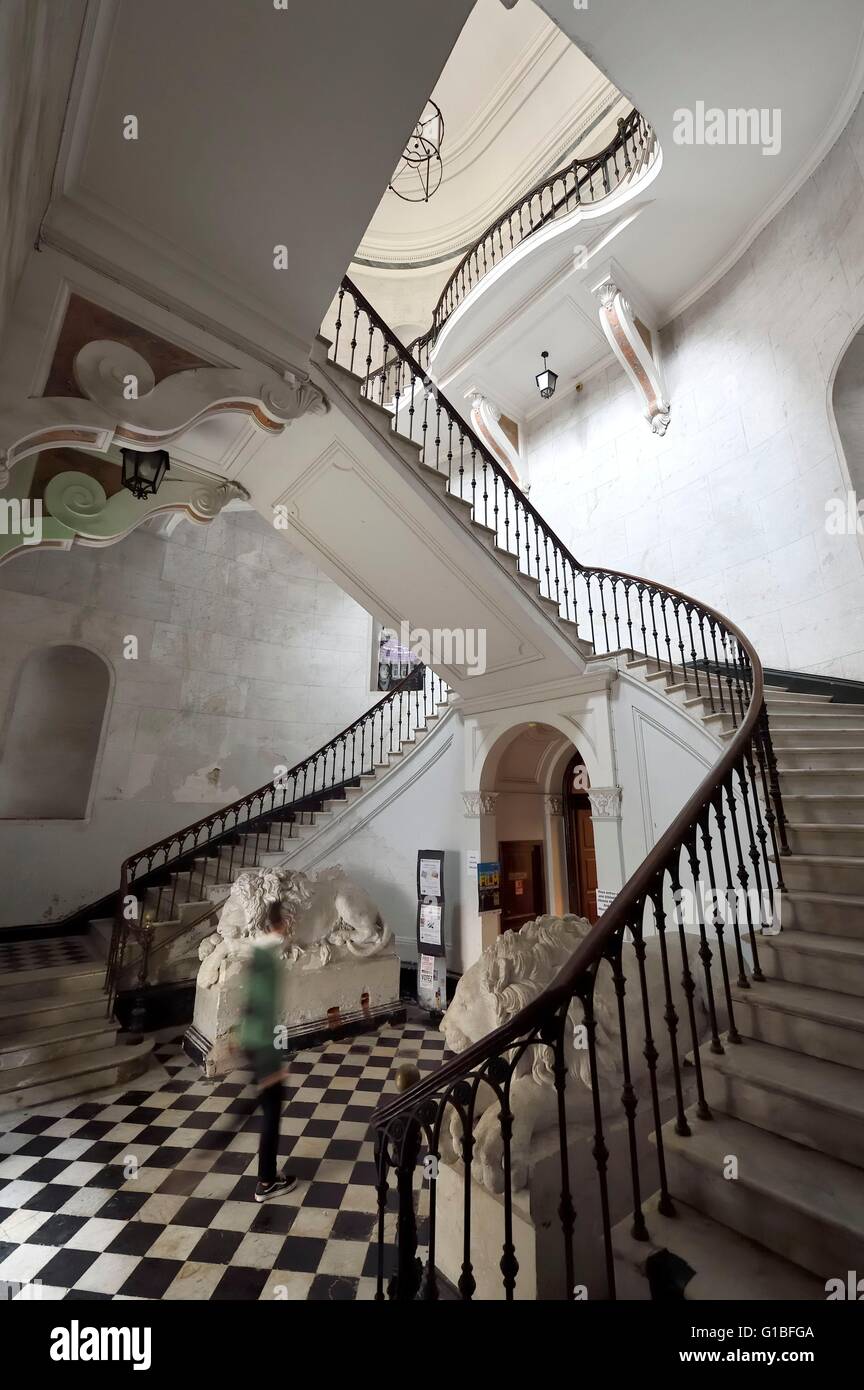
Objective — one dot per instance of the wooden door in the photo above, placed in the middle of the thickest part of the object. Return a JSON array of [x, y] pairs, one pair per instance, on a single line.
[[579, 837], [586, 862], [523, 882]]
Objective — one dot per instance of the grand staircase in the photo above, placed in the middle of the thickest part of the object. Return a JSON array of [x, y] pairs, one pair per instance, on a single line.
[[758, 1132], [788, 1102], [58, 1032], [776, 1088]]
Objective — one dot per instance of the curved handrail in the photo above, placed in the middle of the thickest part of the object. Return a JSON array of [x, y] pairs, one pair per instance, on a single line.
[[633, 142], [330, 768], [729, 834], [593, 946]]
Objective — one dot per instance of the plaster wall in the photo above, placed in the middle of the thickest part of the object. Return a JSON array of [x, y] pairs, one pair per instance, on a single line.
[[247, 658], [730, 505]]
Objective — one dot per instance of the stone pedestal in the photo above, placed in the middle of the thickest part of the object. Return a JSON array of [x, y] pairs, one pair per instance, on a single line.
[[347, 996], [537, 1233]]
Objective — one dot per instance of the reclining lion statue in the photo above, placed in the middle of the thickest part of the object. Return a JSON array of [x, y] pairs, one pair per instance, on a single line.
[[512, 971], [329, 916]]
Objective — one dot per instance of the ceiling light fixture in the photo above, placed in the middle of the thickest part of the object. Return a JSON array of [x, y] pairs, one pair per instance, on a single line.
[[546, 380], [418, 173]]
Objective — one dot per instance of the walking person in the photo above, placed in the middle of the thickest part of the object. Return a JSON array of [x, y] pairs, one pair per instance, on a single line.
[[258, 1041]]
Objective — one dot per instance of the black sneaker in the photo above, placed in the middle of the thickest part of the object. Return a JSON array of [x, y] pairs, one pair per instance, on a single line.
[[265, 1190]]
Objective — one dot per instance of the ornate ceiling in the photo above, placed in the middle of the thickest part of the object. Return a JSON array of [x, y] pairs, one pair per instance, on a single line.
[[517, 99]]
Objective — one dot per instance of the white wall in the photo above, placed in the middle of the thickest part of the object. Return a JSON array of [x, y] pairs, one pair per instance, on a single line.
[[416, 806], [248, 658], [731, 505]]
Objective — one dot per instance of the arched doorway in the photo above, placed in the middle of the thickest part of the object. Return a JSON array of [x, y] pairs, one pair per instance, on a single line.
[[579, 840]]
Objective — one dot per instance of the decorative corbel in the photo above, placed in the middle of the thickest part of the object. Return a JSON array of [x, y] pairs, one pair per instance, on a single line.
[[121, 404], [486, 423], [626, 340]]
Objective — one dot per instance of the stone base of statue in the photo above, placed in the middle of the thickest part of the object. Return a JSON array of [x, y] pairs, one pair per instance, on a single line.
[[319, 1002], [537, 1233], [340, 974]]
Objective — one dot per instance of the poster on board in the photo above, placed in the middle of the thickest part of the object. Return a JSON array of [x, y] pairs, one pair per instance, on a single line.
[[430, 902], [429, 927], [430, 874], [489, 886], [432, 983]]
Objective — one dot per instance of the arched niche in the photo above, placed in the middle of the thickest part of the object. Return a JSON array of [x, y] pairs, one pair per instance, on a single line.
[[52, 734]]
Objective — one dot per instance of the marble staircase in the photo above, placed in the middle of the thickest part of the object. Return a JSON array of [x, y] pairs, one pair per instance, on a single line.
[[197, 894], [788, 1102], [56, 1038]]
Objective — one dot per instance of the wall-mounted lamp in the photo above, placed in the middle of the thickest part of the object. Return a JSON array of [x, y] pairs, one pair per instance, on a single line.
[[143, 470], [546, 380]]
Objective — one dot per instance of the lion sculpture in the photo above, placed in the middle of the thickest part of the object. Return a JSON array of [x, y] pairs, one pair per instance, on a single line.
[[512, 971], [329, 916]]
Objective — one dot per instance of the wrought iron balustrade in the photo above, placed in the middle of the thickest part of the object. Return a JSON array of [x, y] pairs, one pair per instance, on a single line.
[[728, 839], [214, 849], [585, 180]]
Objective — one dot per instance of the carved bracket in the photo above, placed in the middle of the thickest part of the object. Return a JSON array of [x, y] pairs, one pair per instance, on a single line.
[[125, 406], [76, 508], [625, 338], [485, 420]]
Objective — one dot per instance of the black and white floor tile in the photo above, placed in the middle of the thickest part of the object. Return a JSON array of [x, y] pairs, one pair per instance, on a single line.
[[147, 1192], [44, 953]]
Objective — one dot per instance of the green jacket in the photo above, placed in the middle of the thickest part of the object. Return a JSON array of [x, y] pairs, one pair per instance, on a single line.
[[261, 1011]]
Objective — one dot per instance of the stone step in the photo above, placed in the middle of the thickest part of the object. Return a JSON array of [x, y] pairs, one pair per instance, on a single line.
[[812, 708], [806, 1099], [810, 958], [819, 755], [20, 1015], [815, 839], [816, 1022], [823, 781], [806, 808], [805, 1206], [26, 1087], [775, 696], [57, 980], [825, 873], [825, 717], [726, 1266], [809, 734], [833, 913], [34, 1045]]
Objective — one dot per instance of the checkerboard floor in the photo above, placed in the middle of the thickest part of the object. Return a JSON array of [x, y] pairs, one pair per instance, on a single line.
[[45, 953], [147, 1192]]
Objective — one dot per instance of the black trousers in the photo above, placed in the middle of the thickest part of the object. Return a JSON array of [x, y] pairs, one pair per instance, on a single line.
[[268, 1147]]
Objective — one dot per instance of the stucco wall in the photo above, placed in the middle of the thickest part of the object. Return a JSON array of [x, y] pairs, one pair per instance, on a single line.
[[248, 657], [731, 505]]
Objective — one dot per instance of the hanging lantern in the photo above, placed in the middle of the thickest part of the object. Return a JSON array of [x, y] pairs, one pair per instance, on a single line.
[[143, 470], [546, 380]]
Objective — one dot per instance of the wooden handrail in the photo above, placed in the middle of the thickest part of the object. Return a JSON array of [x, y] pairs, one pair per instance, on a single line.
[[591, 949]]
